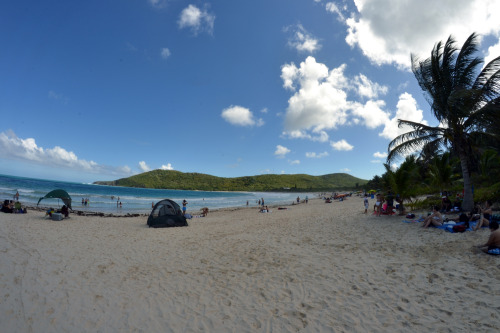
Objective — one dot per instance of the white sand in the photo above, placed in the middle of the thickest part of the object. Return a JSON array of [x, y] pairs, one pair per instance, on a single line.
[[312, 268]]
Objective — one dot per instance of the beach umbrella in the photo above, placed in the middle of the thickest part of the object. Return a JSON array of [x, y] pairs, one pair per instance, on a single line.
[[59, 194]]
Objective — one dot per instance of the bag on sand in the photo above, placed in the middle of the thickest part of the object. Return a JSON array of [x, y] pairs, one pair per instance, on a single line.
[[459, 228]]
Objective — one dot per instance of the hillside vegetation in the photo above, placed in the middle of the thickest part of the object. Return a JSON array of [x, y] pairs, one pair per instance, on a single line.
[[176, 180]]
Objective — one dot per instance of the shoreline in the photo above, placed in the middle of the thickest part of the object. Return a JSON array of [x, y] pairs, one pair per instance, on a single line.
[[312, 267]]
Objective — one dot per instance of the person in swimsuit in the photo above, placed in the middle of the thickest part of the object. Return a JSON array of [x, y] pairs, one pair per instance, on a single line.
[[435, 218], [486, 212], [378, 205], [492, 246], [184, 203]]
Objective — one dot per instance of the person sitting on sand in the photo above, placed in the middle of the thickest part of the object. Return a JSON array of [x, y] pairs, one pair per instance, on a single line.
[[435, 218], [264, 209], [445, 204], [486, 212], [492, 246], [6, 207], [65, 211]]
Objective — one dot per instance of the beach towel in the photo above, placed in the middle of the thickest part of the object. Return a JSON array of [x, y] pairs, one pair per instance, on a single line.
[[449, 226], [414, 221]]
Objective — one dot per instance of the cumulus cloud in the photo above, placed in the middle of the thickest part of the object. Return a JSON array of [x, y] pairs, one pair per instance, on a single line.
[[15, 148], [341, 145], [196, 19], [367, 88], [314, 155], [144, 167], [168, 166], [240, 116], [294, 162], [371, 113], [379, 155], [165, 53], [407, 109], [320, 100], [303, 41], [281, 151], [320, 103], [387, 32]]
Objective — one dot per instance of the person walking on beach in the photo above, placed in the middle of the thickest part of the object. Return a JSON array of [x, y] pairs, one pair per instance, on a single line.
[[184, 203]]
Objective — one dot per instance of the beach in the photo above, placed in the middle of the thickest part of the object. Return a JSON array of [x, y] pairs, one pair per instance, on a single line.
[[312, 267]]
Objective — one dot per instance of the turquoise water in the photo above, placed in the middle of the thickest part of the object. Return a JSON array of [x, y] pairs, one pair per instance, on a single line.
[[134, 200]]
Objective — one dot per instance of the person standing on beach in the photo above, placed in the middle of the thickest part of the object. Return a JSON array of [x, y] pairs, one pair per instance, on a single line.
[[184, 203], [16, 196], [365, 201]]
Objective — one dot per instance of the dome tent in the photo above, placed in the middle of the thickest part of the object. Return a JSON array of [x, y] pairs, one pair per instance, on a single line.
[[166, 213]]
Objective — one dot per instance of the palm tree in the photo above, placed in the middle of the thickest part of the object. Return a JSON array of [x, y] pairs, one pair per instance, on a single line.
[[463, 98], [402, 180], [441, 171]]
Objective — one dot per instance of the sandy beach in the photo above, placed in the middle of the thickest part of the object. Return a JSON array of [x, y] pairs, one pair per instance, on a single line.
[[314, 267]]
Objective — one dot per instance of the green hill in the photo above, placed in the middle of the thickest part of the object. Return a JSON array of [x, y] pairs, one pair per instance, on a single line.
[[176, 180]]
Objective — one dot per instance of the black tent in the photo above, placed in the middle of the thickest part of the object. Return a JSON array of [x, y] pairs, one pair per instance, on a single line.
[[166, 213]]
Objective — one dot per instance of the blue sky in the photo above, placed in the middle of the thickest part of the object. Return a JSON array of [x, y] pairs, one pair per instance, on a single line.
[[100, 90]]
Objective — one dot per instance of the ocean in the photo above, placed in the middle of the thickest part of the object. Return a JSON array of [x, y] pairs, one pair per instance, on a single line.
[[104, 199]]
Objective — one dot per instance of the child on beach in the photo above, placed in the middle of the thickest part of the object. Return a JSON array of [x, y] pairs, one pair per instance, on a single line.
[[365, 201]]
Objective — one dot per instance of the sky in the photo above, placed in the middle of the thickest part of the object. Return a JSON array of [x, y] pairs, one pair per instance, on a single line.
[[105, 89]]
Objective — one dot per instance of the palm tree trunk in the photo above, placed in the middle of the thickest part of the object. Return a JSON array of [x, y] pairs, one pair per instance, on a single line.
[[468, 202]]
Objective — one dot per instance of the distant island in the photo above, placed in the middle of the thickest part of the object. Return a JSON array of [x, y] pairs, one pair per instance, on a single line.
[[176, 180]]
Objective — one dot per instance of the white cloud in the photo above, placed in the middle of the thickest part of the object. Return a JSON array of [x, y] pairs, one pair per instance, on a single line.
[[58, 97], [368, 89], [281, 151], [196, 19], [387, 31], [167, 167], [294, 162], [493, 52], [334, 9], [15, 148], [371, 113], [341, 145], [240, 116], [379, 155], [320, 136], [407, 109], [303, 41], [320, 103], [144, 167], [158, 3], [165, 53], [345, 170], [314, 155], [320, 100]]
